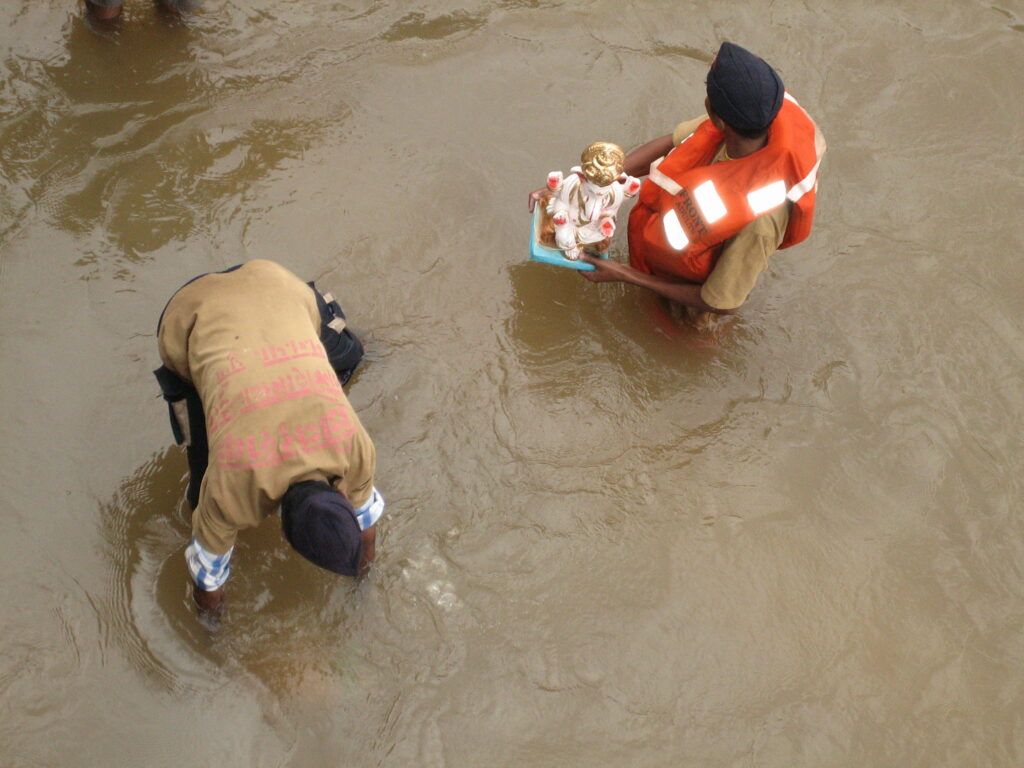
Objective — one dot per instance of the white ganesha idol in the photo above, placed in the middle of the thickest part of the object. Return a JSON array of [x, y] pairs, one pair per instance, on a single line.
[[581, 207]]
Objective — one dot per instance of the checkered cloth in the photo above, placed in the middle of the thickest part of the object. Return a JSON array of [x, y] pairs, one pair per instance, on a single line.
[[209, 571]]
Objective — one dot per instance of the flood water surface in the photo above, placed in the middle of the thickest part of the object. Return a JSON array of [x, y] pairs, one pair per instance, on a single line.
[[612, 538]]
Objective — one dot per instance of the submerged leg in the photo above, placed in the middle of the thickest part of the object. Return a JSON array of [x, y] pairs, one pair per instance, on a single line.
[[104, 10]]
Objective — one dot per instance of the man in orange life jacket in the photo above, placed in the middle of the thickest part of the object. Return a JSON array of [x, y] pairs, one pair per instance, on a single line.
[[722, 192]]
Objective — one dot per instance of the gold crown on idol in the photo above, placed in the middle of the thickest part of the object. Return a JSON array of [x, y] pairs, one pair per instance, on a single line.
[[602, 162]]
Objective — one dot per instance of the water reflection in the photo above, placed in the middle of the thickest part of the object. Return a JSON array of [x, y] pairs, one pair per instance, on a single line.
[[302, 643], [798, 546], [120, 148], [563, 323], [284, 616]]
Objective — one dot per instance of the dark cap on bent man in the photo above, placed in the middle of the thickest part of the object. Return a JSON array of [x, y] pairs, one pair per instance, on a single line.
[[321, 525], [743, 89]]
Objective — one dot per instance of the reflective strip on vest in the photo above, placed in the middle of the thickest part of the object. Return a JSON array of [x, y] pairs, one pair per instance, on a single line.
[[767, 197], [663, 181], [674, 230], [711, 205], [805, 185]]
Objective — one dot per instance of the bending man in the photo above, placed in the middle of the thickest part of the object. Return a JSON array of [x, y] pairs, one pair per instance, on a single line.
[[254, 363]]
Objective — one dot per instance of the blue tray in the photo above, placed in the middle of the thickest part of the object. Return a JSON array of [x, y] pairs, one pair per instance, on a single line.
[[540, 252]]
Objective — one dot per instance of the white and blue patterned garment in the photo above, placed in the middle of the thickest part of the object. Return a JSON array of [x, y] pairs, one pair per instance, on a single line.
[[210, 571], [368, 514]]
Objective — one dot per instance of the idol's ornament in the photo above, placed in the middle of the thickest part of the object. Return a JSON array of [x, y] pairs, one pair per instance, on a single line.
[[577, 215]]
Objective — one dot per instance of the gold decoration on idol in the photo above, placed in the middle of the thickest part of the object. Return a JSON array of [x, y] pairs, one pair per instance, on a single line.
[[602, 163]]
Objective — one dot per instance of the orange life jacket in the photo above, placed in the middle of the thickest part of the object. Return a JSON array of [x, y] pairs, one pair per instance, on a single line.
[[689, 206]]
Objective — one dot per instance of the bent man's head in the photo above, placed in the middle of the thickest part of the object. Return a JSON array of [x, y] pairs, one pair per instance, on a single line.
[[321, 525], [744, 91]]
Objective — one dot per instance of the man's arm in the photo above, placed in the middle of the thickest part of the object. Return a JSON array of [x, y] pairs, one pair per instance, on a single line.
[[609, 271], [638, 162], [367, 516], [209, 572], [743, 259], [369, 550], [208, 555], [208, 601]]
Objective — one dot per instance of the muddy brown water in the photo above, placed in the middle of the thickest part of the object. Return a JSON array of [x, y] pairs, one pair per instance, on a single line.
[[611, 539]]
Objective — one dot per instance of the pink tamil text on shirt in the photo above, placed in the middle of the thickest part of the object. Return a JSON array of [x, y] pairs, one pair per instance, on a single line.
[[291, 350], [269, 448]]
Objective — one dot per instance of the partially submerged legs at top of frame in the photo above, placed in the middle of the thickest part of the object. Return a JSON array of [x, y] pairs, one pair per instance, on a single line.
[[107, 10]]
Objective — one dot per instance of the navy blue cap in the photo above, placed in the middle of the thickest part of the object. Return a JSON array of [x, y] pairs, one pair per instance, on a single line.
[[743, 89], [321, 525]]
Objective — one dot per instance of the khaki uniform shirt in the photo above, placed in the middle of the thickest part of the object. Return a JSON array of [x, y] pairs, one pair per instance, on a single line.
[[248, 340], [745, 255]]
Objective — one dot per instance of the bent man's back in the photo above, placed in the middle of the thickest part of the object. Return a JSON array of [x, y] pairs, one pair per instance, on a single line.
[[275, 412]]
